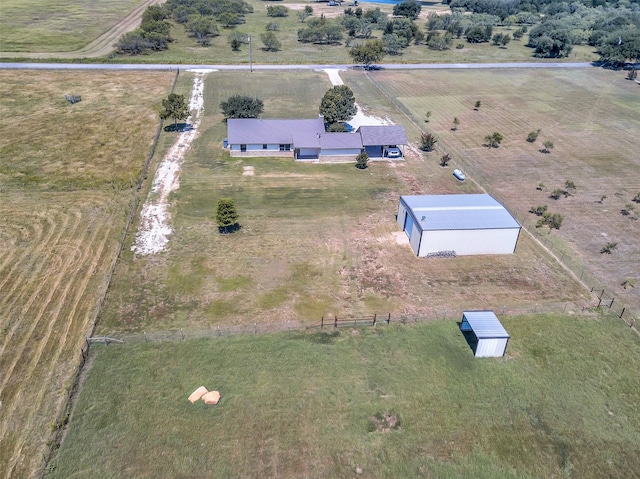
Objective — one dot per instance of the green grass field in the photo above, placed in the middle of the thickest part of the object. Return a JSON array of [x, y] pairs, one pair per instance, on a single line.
[[562, 403]]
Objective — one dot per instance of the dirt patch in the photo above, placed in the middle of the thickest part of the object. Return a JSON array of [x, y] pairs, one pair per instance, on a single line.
[[384, 422]]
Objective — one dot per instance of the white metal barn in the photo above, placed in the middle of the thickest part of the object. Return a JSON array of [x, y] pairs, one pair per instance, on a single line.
[[465, 224], [489, 338]]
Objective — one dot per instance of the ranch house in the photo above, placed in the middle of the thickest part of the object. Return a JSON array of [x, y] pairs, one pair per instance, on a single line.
[[306, 139], [460, 224]]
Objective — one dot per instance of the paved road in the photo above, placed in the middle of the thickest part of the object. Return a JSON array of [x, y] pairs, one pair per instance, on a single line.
[[245, 67]]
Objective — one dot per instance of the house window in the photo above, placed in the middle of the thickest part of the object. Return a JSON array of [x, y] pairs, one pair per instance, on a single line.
[[243, 147], [285, 147], [264, 146]]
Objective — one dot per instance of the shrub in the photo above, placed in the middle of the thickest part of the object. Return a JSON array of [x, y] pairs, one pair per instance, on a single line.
[[277, 11], [493, 140], [444, 161], [533, 135], [552, 220], [428, 141], [608, 248], [361, 160], [538, 210]]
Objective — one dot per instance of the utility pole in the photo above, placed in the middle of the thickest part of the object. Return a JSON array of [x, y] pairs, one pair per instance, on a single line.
[[250, 59]]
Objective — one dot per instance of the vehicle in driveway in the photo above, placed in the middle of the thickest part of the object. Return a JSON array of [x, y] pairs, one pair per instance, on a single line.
[[394, 152], [459, 174]]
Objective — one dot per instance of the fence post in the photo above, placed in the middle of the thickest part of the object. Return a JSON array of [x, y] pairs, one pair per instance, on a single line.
[[322, 323], [335, 325], [105, 341], [87, 340], [611, 303], [445, 314], [146, 339], [374, 320], [255, 328], [503, 309], [389, 318], [182, 333]]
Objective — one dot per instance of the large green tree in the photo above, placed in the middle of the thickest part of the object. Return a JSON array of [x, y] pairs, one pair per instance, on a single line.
[[226, 214], [621, 46], [368, 53], [174, 106], [239, 106], [410, 9], [338, 105]]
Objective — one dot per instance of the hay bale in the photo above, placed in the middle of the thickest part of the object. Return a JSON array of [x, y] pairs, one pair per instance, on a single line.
[[198, 393], [211, 397]]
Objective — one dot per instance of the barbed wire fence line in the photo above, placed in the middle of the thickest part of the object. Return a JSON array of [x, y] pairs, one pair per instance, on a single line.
[[333, 322]]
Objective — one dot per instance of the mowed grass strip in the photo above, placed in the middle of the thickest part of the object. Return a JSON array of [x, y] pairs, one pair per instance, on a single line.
[[563, 402], [67, 186], [591, 115], [61, 26], [315, 239]]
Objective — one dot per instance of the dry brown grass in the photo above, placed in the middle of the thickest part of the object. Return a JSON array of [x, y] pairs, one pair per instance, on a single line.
[[315, 239], [593, 118], [65, 176]]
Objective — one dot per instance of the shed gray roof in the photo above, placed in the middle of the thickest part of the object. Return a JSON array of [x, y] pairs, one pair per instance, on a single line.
[[383, 135], [458, 212], [485, 324], [301, 132]]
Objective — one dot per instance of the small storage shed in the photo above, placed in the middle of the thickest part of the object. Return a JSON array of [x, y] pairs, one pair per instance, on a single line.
[[464, 224], [485, 334]]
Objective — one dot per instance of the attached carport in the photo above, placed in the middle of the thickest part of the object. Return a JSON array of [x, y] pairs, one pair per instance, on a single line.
[[377, 138]]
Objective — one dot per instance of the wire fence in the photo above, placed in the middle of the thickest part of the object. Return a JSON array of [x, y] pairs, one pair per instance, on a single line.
[[554, 245], [377, 320]]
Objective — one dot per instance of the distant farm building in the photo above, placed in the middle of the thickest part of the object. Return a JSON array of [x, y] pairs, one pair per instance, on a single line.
[[484, 333], [306, 139], [460, 224]]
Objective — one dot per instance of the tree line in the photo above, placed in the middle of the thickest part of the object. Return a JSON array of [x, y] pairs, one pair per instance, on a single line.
[[553, 28]]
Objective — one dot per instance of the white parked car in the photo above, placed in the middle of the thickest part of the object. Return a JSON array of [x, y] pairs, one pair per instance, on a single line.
[[393, 152], [459, 174]]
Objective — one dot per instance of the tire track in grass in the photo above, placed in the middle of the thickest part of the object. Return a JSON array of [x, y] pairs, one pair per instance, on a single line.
[[23, 339], [71, 294], [28, 264], [17, 262]]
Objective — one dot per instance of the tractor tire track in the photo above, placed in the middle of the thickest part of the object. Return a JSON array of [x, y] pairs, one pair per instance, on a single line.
[[62, 326]]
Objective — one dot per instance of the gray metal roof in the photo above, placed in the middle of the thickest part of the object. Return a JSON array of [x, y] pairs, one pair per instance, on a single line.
[[301, 132], [458, 212], [308, 133], [383, 135], [340, 140], [485, 324]]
